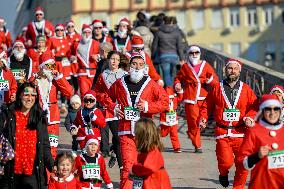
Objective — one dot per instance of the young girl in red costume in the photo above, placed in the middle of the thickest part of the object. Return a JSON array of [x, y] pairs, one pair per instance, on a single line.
[[149, 171], [65, 179], [91, 166]]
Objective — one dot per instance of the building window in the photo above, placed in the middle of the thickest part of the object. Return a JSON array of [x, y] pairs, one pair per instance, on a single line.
[[218, 46], [234, 17], [252, 52], [252, 17], [138, 1], [217, 22], [197, 19], [235, 49], [270, 53], [268, 15]]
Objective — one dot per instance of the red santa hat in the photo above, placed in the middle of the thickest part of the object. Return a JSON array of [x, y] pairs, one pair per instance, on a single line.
[[91, 139], [277, 88], [45, 58], [39, 10], [135, 55], [86, 27], [90, 93], [193, 48], [18, 42], [124, 21], [266, 101], [70, 23], [234, 61], [97, 23], [25, 28], [2, 53], [59, 27], [137, 42]]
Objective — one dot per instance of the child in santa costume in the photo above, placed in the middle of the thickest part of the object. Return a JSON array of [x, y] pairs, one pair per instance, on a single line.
[[262, 151], [169, 119], [91, 166], [149, 171], [279, 92], [64, 177], [89, 119]]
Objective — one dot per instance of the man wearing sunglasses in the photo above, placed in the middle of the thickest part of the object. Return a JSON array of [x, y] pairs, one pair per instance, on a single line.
[[39, 26], [234, 107], [278, 90]]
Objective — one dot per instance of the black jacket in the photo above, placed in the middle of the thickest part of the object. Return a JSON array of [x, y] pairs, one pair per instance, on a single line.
[[43, 158]]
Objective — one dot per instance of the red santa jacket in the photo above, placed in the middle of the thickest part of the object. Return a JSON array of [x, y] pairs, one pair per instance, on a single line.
[[87, 68], [155, 95], [126, 46], [7, 75], [73, 38], [32, 33], [32, 67], [50, 102], [150, 166], [217, 101], [194, 83], [34, 54], [174, 100], [80, 161], [260, 135], [6, 38], [68, 183]]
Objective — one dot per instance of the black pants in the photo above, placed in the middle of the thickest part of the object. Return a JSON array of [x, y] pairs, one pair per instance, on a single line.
[[20, 181], [113, 126], [74, 143]]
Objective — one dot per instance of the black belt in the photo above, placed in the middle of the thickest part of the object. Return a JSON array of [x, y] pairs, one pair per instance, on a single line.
[[59, 58], [88, 68], [228, 127]]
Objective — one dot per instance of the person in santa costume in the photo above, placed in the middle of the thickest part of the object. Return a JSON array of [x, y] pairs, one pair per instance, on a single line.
[[49, 82], [169, 119], [88, 120], [234, 106], [98, 34], [194, 77], [22, 36], [20, 63], [135, 95], [91, 166], [34, 53], [39, 26], [122, 41], [8, 83], [262, 149], [278, 90], [5, 35], [86, 55]]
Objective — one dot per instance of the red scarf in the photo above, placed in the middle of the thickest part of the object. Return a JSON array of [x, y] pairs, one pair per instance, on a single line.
[[25, 148]]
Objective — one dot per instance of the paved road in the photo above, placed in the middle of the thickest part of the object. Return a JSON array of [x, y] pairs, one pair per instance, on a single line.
[[187, 170]]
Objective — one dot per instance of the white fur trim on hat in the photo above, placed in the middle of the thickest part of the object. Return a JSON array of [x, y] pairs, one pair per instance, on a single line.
[[233, 62], [193, 48], [277, 89], [92, 140], [46, 62], [138, 45], [18, 43], [271, 102], [90, 95], [97, 24], [75, 98], [2, 54], [87, 29], [39, 11], [59, 27]]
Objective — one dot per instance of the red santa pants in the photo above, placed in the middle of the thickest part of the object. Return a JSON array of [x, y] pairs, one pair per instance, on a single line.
[[53, 130], [165, 130], [85, 84], [192, 113], [227, 151], [129, 157]]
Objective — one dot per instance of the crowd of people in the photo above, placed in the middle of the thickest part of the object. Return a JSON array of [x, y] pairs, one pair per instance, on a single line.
[[118, 80]]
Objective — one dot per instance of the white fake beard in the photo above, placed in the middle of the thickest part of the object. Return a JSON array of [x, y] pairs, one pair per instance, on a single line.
[[136, 75], [48, 74], [194, 60], [86, 39], [18, 54], [122, 33]]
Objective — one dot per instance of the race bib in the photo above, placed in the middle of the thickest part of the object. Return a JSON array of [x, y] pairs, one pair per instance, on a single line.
[[231, 115], [137, 182], [171, 118], [53, 140], [276, 159], [65, 62], [4, 86], [19, 74], [131, 114], [91, 171]]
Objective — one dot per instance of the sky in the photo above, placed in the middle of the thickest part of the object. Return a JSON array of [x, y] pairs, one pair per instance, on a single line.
[[9, 13]]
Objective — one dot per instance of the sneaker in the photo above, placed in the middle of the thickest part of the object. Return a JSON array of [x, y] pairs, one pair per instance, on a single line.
[[198, 151], [178, 150], [224, 181], [112, 160]]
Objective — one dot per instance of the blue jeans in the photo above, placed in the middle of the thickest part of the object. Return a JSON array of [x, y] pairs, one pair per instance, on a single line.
[[168, 64]]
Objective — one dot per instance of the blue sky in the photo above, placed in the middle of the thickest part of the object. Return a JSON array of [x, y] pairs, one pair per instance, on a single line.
[[9, 13]]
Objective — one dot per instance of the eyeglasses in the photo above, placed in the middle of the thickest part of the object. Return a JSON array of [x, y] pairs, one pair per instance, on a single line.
[[50, 66], [86, 100], [96, 28], [269, 109], [59, 30], [192, 53], [39, 14]]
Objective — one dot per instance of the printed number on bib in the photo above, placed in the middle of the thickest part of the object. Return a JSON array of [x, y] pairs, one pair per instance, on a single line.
[[231, 115], [91, 171], [19, 74], [137, 182], [131, 114], [65, 62], [171, 118], [53, 140], [276, 159], [4, 86]]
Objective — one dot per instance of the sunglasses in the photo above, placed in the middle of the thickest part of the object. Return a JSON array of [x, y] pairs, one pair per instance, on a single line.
[[138, 49], [268, 109], [70, 26], [59, 30], [98, 28], [39, 14], [86, 100], [192, 53], [50, 66]]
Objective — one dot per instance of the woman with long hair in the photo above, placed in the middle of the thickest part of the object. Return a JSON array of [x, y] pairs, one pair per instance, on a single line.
[[23, 123]]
